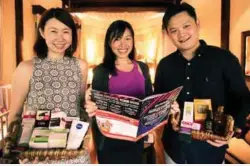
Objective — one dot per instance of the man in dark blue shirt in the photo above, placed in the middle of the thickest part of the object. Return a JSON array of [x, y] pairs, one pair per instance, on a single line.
[[205, 72]]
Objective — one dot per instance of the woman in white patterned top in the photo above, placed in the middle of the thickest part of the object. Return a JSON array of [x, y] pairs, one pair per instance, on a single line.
[[53, 78]]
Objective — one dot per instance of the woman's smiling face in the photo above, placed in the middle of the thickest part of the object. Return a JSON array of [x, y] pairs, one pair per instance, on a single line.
[[122, 46], [57, 36]]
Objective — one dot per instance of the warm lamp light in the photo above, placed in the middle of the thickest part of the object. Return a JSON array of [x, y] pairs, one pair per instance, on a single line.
[[152, 67], [90, 76], [151, 50], [90, 51], [152, 74]]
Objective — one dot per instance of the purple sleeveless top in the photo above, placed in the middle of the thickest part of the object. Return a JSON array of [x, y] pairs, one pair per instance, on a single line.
[[128, 83]]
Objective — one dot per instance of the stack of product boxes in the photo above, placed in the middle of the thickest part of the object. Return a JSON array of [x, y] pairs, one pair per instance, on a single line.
[[45, 129]]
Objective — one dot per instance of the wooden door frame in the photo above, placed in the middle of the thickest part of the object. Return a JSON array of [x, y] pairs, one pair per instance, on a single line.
[[19, 30]]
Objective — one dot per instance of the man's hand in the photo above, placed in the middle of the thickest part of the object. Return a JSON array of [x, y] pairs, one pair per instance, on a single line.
[[248, 120], [89, 105], [219, 143]]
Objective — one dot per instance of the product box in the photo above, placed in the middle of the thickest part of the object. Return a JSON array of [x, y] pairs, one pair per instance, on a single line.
[[42, 118], [200, 108]]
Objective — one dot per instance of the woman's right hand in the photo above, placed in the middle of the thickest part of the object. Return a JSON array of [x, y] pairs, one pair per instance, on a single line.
[[90, 106]]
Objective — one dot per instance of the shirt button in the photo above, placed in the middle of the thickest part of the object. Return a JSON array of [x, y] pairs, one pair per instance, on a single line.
[[199, 55], [188, 93], [189, 64], [188, 78]]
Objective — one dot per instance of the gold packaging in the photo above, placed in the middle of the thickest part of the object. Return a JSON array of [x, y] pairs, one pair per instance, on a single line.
[[200, 107]]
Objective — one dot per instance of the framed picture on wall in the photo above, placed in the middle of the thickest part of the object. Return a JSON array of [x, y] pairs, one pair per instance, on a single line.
[[245, 51]]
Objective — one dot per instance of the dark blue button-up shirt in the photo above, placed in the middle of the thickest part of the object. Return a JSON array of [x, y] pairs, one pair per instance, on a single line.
[[212, 73]]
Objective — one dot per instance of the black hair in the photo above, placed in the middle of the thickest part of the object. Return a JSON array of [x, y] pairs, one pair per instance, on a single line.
[[40, 46], [176, 9], [115, 31]]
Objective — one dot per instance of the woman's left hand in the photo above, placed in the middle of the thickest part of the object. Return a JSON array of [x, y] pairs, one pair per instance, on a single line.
[[175, 118], [175, 108]]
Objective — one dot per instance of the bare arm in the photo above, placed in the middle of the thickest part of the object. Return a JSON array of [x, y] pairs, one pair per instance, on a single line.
[[158, 134], [91, 144], [92, 148], [20, 88], [158, 146], [84, 72]]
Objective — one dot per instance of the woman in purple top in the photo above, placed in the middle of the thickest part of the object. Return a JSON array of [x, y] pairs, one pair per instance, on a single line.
[[120, 74]]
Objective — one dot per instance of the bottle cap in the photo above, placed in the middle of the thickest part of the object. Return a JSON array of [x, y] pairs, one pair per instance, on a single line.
[[220, 109]]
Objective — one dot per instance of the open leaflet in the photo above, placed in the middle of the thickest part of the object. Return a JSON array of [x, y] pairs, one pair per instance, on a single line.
[[129, 118]]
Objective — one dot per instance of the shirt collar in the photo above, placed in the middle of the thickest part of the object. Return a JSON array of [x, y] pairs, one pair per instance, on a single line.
[[200, 50]]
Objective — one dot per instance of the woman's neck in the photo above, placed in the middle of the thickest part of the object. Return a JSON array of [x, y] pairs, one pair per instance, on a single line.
[[54, 56], [123, 61]]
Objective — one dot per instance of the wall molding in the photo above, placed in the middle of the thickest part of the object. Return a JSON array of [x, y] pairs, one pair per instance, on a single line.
[[19, 30], [1, 42], [225, 24], [117, 5], [37, 9]]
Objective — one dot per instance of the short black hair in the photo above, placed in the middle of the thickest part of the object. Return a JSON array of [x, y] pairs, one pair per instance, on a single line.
[[115, 31], [40, 46], [173, 10]]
